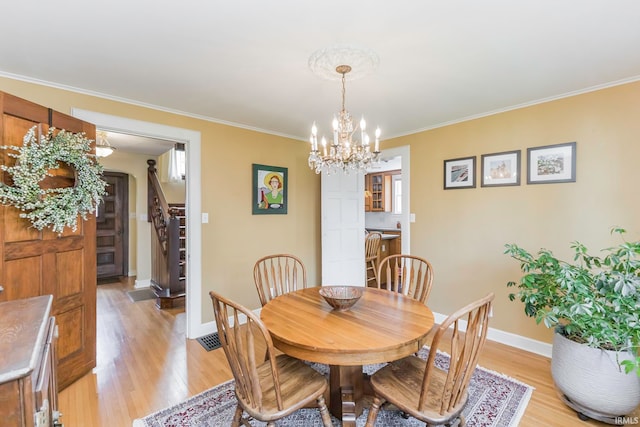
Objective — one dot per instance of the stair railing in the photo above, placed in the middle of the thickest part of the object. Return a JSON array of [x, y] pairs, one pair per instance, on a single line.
[[168, 266]]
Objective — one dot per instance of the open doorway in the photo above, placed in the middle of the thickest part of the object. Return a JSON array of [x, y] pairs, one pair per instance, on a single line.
[[343, 222], [191, 139], [112, 228], [392, 214]]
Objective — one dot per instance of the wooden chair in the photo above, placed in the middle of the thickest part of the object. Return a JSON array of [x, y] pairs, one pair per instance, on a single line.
[[272, 389], [371, 252], [278, 274], [424, 391], [407, 274]]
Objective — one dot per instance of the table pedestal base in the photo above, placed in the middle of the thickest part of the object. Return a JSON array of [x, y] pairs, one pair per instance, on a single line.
[[346, 384]]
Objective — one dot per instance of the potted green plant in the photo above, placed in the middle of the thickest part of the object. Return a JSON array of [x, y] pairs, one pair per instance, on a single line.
[[594, 305]]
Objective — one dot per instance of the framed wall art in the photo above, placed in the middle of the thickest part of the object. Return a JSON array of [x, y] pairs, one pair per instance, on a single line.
[[269, 195], [500, 169], [551, 164], [460, 173]]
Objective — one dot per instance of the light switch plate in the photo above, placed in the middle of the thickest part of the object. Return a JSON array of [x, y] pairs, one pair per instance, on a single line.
[[205, 217]]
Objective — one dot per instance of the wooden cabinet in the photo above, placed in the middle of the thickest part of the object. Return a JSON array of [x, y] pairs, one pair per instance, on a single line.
[[378, 191], [395, 245], [384, 251], [389, 245], [28, 386], [367, 193]]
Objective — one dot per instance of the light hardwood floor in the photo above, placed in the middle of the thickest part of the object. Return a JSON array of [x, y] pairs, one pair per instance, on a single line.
[[144, 364]]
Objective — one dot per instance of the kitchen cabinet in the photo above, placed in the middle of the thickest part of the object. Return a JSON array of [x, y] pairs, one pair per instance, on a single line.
[[367, 193], [378, 192], [395, 245], [28, 378], [384, 251], [391, 244]]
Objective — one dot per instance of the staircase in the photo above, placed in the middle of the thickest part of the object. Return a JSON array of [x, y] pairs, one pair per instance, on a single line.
[[181, 214], [168, 244]]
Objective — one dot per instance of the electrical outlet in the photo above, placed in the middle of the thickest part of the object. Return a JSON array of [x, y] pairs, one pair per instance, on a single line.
[[205, 217]]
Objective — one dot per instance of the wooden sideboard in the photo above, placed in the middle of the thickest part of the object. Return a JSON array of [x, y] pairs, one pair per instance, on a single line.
[[28, 386]]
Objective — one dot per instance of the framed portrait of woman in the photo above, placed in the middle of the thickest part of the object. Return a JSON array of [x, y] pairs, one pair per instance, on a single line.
[[269, 190]]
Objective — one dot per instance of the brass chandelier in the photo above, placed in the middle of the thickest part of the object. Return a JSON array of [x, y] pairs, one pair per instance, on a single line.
[[344, 152]]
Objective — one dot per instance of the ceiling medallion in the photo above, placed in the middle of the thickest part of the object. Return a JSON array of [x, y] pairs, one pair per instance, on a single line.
[[362, 61]]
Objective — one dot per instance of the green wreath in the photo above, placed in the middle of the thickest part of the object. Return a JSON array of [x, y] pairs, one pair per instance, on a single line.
[[55, 208]]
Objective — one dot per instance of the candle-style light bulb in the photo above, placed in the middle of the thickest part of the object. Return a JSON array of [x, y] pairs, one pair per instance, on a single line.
[[363, 126], [376, 148], [314, 140]]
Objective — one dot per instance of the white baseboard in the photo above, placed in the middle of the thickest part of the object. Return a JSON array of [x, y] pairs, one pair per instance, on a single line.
[[145, 283], [132, 273], [203, 329], [510, 339]]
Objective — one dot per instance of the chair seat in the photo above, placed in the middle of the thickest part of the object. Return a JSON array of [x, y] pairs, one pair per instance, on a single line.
[[401, 382], [299, 383]]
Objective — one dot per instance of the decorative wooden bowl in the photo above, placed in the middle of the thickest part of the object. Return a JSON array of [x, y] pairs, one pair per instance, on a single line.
[[341, 297]]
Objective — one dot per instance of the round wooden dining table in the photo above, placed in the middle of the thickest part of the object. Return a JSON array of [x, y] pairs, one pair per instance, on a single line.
[[381, 327]]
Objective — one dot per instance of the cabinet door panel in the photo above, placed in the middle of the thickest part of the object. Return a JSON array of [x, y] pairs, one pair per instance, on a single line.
[[22, 279]]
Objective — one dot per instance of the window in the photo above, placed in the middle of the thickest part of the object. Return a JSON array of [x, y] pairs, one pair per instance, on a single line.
[[397, 193], [177, 163]]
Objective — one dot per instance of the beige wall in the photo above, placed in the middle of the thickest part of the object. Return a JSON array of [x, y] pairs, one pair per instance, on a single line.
[[462, 232]]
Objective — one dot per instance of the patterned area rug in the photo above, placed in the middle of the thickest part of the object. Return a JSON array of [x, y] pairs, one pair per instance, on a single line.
[[495, 400]]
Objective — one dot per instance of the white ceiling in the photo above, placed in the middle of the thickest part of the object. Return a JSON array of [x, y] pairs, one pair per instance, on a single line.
[[138, 144], [244, 62]]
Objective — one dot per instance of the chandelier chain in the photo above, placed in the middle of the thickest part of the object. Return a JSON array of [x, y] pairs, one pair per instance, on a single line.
[[344, 91]]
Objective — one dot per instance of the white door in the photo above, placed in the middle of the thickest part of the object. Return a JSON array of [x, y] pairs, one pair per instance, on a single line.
[[343, 229]]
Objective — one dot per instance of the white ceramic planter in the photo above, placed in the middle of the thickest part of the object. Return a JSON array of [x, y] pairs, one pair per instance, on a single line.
[[592, 380]]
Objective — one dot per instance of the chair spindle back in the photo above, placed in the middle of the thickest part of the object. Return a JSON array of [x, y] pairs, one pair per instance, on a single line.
[[239, 343], [278, 274], [407, 274], [464, 348]]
